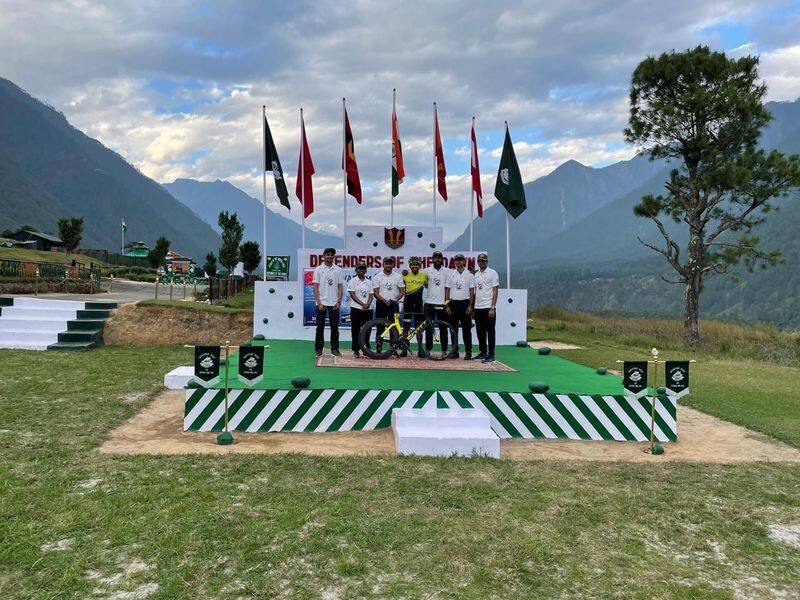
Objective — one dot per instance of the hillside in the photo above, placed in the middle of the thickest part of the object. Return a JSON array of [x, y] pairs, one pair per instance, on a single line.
[[49, 169], [207, 198]]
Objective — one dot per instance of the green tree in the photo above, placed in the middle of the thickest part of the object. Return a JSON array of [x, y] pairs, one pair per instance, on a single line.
[[210, 267], [70, 229], [158, 253], [29, 228], [250, 255], [704, 113], [232, 233], [7, 233]]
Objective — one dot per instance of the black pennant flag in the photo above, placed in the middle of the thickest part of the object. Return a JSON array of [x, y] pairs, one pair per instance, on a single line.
[[273, 163]]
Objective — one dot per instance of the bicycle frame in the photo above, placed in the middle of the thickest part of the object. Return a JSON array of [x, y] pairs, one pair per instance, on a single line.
[[398, 326]]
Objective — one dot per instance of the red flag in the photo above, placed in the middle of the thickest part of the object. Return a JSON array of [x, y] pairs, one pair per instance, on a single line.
[[349, 162], [441, 172], [305, 169], [475, 170]]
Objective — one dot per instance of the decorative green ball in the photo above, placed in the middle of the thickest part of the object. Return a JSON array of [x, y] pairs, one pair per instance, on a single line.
[[193, 385], [419, 234], [602, 371], [265, 320], [247, 343], [522, 344], [513, 323], [375, 244], [301, 382], [360, 234], [225, 438], [544, 351], [290, 297], [658, 449], [290, 314], [510, 300], [432, 245], [271, 290], [662, 391], [260, 336], [538, 387]]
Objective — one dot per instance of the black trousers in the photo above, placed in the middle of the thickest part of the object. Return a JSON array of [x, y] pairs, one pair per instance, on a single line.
[[484, 325], [459, 319], [332, 314], [436, 311], [358, 317], [385, 312]]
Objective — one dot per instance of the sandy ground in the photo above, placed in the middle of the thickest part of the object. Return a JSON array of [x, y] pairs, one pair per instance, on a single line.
[[157, 429], [553, 345]]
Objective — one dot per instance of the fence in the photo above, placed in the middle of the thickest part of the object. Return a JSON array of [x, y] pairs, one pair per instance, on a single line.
[[115, 258], [27, 270], [221, 288]]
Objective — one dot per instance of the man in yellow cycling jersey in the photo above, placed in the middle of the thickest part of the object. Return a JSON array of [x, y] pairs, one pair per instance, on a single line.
[[415, 281]]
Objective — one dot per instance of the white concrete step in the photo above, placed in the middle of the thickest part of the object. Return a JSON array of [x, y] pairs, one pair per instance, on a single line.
[[21, 344], [178, 377], [9, 324], [42, 313], [26, 302], [444, 432], [40, 337]]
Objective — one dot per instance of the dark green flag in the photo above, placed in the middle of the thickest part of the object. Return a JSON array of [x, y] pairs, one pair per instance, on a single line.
[[509, 190], [273, 163]]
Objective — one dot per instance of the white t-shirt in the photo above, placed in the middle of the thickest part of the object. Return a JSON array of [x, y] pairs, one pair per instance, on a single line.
[[328, 279], [460, 284], [484, 282], [436, 283], [388, 286], [362, 287]]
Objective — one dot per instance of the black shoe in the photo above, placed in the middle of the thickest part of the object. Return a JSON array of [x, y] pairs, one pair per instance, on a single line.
[[404, 353], [480, 356], [356, 354], [336, 353], [454, 355], [488, 360], [468, 356], [422, 354]]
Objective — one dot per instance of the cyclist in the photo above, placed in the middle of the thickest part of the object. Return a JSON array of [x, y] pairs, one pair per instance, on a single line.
[[487, 285], [327, 284], [359, 290], [389, 289], [415, 281], [459, 295], [434, 299]]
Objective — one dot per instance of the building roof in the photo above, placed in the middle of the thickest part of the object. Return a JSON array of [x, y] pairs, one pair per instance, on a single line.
[[45, 236]]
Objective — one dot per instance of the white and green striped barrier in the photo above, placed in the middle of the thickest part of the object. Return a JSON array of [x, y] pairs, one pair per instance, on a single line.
[[512, 414]]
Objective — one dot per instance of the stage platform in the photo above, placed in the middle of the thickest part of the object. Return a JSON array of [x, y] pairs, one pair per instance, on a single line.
[[580, 404]]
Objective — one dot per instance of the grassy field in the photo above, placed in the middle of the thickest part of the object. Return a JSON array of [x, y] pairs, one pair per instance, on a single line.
[[41, 256], [75, 523]]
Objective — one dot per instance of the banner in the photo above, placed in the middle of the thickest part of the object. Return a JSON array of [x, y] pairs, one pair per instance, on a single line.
[[311, 259], [206, 364], [251, 364], [634, 377], [677, 376], [277, 268]]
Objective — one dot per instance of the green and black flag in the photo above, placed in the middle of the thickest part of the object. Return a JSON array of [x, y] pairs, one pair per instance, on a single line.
[[273, 163], [509, 190]]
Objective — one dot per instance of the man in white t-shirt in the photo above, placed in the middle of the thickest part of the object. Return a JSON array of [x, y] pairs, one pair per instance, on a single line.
[[487, 286], [328, 286], [360, 293], [434, 298], [388, 288], [459, 295]]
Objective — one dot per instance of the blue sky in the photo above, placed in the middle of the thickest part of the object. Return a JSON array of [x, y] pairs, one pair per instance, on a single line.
[[177, 87]]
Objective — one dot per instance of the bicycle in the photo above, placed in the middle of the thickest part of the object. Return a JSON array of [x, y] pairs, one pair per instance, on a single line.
[[381, 338]]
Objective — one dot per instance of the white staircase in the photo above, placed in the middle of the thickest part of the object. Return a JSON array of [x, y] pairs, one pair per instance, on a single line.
[[34, 323], [444, 432]]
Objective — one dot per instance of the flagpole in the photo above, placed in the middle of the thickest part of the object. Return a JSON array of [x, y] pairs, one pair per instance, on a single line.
[[264, 191], [394, 153], [344, 169], [435, 174], [122, 248], [303, 175], [471, 186], [508, 244]]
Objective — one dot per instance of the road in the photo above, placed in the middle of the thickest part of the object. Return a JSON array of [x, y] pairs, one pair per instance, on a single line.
[[125, 292]]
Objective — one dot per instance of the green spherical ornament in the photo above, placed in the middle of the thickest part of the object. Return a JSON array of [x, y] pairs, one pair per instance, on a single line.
[[602, 371], [544, 351], [658, 449], [225, 438], [290, 314], [513, 324], [260, 336], [522, 344], [290, 297], [360, 234], [265, 320], [248, 343], [375, 244], [432, 245], [419, 234], [662, 391], [510, 300], [301, 382], [193, 385], [271, 290], [538, 387]]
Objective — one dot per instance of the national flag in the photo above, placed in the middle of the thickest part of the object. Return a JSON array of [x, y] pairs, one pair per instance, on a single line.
[[305, 169], [273, 163], [124, 226], [349, 162], [475, 171], [509, 190], [441, 172], [398, 171]]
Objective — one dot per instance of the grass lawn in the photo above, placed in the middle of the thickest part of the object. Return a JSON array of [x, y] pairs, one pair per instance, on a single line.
[[75, 523], [25, 254]]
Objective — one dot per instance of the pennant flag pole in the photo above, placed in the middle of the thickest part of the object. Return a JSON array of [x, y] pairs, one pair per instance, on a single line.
[[510, 192], [264, 194], [344, 169], [271, 163], [350, 178], [398, 171], [439, 170], [124, 229], [304, 189], [475, 172]]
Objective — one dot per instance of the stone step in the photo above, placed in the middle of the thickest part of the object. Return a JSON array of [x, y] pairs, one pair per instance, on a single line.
[[104, 305], [13, 324], [81, 336], [25, 335], [178, 378], [45, 303], [444, 432], [72, 346], [85, 324], [6, 301], [46, 314], [93, 314]]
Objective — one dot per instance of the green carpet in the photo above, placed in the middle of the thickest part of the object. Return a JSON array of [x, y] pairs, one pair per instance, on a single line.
[[286, 359]]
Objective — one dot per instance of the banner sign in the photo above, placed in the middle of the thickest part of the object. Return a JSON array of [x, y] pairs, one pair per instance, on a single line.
[[677, 376], [251, 364], [277, 268], [311, 259], [634, 377], [206, 364]]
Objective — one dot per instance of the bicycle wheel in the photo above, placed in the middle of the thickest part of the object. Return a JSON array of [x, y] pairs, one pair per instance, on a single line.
[[375, 348], [443, 334]]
